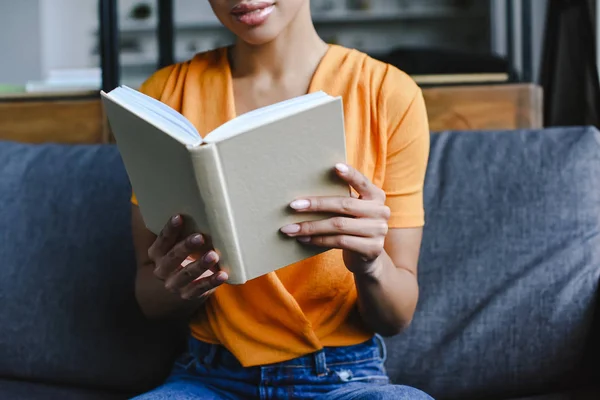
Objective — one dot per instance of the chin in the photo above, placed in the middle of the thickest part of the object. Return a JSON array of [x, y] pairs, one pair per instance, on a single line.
[[257, 36]]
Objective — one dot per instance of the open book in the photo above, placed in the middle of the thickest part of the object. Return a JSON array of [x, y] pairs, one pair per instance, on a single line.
[[235, 184]]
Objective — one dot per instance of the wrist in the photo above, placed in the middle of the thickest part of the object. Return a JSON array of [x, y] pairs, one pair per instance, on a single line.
[[372, 273], [190, 307]]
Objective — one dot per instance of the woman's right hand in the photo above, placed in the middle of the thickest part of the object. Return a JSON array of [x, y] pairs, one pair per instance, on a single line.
[[196, 279]]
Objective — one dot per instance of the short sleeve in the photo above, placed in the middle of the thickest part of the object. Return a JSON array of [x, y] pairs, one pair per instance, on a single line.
[[407, 150], [154, 87]]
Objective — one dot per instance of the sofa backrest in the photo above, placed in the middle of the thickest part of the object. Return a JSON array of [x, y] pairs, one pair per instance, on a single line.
[[68, 313], [509, 266]]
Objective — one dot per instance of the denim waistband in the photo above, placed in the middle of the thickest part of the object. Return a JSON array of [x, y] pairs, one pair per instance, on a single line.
[[372, 349]]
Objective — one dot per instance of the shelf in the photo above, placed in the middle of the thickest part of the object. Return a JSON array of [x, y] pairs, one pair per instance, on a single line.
[[322, 18], [376, 16], [133, 60], [130, 60]]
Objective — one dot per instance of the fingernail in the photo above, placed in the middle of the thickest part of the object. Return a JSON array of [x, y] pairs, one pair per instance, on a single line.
[[221, 277], [291, 229], [300, 204], [304, 239], [176, 220], [342, 168], [197, 240], [210, 257]]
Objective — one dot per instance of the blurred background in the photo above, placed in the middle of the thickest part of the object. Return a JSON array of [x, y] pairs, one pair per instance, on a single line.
[[41, 37], [55, 45]]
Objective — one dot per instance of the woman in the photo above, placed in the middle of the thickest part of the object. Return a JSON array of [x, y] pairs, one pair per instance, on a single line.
[[310, 329]]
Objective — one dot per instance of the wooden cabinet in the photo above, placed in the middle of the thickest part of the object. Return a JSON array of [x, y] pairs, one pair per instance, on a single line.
[[69, 118], [485, 107], [78, 118]]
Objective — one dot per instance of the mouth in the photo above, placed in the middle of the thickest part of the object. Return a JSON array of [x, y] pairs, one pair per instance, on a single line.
[[252, 13]]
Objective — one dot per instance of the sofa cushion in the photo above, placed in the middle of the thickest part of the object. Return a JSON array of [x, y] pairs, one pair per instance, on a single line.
[[509, 266], [579, 394], [67, 272], [19, 390]]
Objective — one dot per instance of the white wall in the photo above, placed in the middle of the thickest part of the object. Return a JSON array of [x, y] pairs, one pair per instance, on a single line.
[[20, 48], [67, 32], [39, 35]]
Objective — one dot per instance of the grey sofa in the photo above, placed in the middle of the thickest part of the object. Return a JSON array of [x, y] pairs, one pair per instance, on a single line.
[[509, 273]]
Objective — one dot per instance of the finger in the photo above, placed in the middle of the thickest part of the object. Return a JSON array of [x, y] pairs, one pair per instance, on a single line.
[[173, 259], [365, 188], [368, 248], [338, 226], [167, 238], [203, 287], [342, 205], [183, 276]]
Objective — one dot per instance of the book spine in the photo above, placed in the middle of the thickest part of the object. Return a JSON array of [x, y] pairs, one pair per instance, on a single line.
[[213, 190]]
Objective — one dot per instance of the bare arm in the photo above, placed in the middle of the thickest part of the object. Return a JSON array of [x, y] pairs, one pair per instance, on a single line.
[[164, 288], [387, 297]]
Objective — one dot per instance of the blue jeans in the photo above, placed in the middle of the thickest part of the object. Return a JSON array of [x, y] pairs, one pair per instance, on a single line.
[[208, 371]]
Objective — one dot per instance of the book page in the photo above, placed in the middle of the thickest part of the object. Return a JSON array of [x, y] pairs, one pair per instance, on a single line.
[[157, 113]]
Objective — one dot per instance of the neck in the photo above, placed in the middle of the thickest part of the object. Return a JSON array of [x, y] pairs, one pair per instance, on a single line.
[[296, 48]]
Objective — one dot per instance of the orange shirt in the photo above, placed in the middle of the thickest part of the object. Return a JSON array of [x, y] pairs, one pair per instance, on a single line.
[[305, 306]]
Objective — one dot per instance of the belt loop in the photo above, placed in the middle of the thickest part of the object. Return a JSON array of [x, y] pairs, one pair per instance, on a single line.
[[382, 347], [209, 359], [320, 363]]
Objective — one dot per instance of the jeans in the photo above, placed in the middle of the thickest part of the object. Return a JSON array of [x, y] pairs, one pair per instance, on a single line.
[[208, 371]]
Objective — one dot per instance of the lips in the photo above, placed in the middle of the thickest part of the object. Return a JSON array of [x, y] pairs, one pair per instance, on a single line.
[[252, 13]]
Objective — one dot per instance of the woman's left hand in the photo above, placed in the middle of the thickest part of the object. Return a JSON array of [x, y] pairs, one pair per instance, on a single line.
[[359, 230]]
